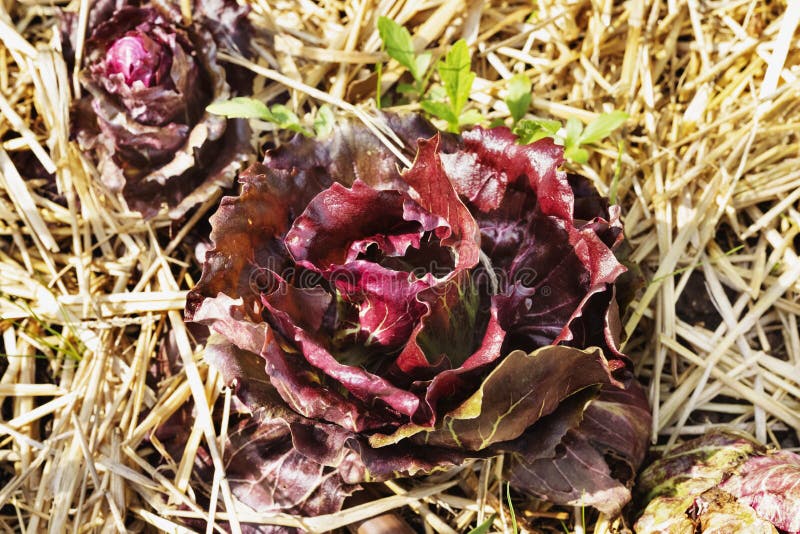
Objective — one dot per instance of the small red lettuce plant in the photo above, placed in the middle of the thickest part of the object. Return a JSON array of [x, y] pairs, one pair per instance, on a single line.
[[378, 323], [149, 77], [721, 482]]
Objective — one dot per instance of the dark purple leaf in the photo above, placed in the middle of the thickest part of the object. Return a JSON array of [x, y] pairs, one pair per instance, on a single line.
[[518, 392], [269, 473], [556, 271], [352, 152], [308, 392], [577, 476], [340, 223], [587, 452], [330, 459], [617, 423], [434, 192], [492, 160], [549, 235]]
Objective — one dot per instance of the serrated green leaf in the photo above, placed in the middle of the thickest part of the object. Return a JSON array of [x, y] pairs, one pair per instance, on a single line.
[[531, 130], [240, 108], [324, 120], [399, 46], [456, 75], [484, 527], [602, 126], [441, 110], [518, 96]]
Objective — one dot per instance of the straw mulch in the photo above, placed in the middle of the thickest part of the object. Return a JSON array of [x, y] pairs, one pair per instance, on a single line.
[[708, 176]]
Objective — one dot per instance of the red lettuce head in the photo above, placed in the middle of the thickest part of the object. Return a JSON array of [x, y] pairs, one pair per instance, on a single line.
[[136, 58], [149, 78], [396, 322]]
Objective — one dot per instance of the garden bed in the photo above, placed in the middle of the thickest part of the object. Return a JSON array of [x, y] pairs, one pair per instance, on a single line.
[[705, 169]]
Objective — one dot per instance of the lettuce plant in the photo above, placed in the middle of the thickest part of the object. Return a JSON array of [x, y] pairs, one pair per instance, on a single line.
[[377, 322], [723, 481], [148, 77]]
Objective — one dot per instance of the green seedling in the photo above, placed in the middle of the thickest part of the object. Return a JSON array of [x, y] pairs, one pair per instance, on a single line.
[[457, 79], [398, 45], [531, 130], [577, 136], [446, 102], [574, 137], [250, 108]]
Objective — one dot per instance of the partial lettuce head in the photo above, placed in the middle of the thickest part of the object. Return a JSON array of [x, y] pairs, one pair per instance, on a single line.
[[148, 78], [724, 481], [396, 322]]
